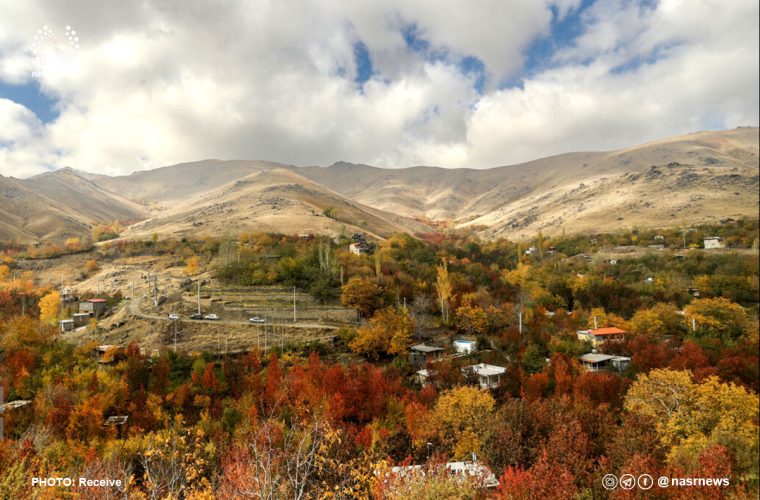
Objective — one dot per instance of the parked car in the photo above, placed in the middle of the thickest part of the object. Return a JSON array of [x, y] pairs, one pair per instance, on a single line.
[[173, 316], [196, 316], [256, 319], [211, 316]]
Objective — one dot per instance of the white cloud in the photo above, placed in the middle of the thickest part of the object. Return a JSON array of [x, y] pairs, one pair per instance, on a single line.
[[161, 82]]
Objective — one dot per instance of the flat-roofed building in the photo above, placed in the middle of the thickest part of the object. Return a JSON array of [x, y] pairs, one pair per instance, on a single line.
[[420, 354], [595, 362], [94, 307], [488, 376]]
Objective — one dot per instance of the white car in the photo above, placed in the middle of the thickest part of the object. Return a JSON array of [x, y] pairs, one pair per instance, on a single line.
[[173, 316], [211, 316], [256, 319]]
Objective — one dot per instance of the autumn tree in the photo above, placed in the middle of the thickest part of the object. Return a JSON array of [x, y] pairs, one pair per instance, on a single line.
[[444, 289], [91, 266], [546, 479], [49, 307], [193, 266], [661, 319], [458, 418], [361, 294], [717, 318], [430, 482], [471, 319], [388, 333], [690, 417], [73, 244]]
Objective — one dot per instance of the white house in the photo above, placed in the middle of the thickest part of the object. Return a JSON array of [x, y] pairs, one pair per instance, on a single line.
[[489, 376], [479, 474], [67, 325], [358, 248], [714, 242], [422, 376], [465, 346]]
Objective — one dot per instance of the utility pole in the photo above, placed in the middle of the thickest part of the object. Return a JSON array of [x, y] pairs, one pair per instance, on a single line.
[[199, 296], [519, 317]]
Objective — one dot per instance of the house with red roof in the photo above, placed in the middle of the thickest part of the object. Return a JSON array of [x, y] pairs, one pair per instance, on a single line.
[[601, 335]]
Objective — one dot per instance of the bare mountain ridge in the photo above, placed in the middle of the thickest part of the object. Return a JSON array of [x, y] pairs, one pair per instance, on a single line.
[[698, 177], [274, 200], [57, 205]]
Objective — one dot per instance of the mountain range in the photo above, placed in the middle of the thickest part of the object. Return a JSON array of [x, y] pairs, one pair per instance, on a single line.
[[695, 178]]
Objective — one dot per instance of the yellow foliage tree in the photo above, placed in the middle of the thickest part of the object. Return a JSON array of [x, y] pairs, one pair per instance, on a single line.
[[692, 417], [91, 266], [193, 266], [604, 319], [73, 243], [444, 289], [389, 332], [458, 419], [659, 394], [49, 307], [660, 319], [717, 317], [471, 319], [4, 272]]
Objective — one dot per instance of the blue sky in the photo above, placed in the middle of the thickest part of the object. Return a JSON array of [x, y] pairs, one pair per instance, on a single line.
[[29, 95], [393, 83]]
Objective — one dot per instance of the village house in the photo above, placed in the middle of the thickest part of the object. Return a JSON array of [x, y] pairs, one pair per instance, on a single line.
[[80, 319], [465, 346], [420, 354], [422, 376], [713, 243], [358, 248], [598, 336], [489, 376], [595, 362], [478, 473], [66, 325], [93, 307], [106, 353]]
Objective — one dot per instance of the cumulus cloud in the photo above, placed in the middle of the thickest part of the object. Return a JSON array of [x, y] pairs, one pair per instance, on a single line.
[[164, 81]]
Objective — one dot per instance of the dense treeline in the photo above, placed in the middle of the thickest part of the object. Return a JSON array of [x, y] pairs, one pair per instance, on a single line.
[[296, 424]]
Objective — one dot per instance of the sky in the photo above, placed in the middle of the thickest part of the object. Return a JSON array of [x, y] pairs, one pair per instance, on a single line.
[[111, 87]]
